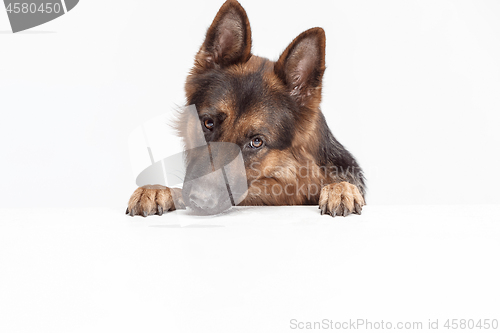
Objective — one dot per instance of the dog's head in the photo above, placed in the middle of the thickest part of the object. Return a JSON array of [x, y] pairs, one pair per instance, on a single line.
[[269, 109]]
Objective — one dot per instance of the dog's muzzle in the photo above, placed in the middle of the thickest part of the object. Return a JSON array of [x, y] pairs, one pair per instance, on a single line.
[[215, 178]]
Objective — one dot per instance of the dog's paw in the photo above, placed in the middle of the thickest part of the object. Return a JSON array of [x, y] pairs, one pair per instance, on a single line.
[[340, 199], [154, 199]]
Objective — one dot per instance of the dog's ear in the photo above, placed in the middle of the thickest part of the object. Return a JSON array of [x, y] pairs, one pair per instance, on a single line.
[[228, 40], [301, 66]]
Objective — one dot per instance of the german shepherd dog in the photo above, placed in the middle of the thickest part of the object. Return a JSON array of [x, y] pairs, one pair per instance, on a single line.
[[271, 111]]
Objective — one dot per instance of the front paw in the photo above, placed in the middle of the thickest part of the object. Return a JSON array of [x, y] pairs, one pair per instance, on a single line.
[[154, 199], [341, 199]]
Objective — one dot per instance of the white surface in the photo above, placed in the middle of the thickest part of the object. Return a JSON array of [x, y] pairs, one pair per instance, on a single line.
[[250, 270], [411, 88]]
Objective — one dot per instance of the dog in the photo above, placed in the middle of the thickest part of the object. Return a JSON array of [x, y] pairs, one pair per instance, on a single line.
[[271, 111]]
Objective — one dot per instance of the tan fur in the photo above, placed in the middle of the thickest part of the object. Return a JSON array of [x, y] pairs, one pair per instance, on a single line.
[[154, 199], [300, 180]]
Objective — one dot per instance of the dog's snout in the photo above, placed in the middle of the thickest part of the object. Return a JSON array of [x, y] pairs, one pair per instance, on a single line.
[[213, 172], [203, 200]]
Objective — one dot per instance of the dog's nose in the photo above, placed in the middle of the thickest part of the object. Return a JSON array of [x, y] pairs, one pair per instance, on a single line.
[[203, 200]]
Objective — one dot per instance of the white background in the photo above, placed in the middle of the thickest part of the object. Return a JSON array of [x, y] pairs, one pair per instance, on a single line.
[[411, 89]]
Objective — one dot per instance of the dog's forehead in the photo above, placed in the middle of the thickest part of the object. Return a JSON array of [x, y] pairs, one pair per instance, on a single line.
[[249, 88], [250, 106]]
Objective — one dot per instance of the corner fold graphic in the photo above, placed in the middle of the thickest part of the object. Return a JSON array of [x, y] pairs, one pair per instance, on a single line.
[[70, 4], [26, 15]]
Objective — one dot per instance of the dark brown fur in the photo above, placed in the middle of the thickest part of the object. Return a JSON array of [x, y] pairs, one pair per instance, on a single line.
[[249, 97]]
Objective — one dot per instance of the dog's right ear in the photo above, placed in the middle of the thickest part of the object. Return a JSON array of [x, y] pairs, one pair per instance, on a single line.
[[228, 40]]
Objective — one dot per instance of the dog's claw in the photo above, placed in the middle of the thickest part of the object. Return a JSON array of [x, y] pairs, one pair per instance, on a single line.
[[144, 214], [357, 208], [160, 210], [126, 211], [132, 212], [333, 213], [346, 211], [323, 209]]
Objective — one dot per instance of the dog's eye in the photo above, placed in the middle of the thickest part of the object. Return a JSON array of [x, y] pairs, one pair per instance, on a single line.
[[256, 143], [209, 123]]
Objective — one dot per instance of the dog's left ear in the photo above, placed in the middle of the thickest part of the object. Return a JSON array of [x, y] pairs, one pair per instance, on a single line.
[[301, 66], [228, 40]]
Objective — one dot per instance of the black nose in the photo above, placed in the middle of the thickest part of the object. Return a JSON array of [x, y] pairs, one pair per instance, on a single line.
[[203, 200]]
